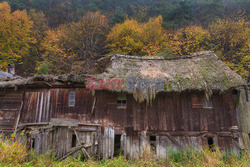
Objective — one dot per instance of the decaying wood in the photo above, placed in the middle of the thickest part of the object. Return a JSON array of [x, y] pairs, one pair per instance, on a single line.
[[174, 141], [93, 106], [63, 122], [171, 114], [18, 117], [71, 153], [87, 129], [83, 149], [48, 84], [33, 124]]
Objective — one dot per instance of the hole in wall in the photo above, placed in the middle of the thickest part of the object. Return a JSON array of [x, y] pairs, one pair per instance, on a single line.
[[152, 140], [73, 141], [210, 142], [33, 140], [117, 148]]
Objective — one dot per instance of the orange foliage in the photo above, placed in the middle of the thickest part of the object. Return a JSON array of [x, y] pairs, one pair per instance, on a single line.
[[71, 47], [188, 40], [15, 30], [133, 38]]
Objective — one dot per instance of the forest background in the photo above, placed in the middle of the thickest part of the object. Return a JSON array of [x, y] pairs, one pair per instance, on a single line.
[[69, 36]]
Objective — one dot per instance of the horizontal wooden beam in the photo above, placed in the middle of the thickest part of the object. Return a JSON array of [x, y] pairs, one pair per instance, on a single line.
[[179, 133], [34, 124], [63, 122]]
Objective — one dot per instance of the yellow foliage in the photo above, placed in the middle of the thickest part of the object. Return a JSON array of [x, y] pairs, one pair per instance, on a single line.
[[230, 40], [71, 46], [15, 30], [133, 38], [188, 40]]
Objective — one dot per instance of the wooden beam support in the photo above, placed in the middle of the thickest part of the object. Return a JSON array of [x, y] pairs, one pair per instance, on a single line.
[[174, 141], [83, 149]]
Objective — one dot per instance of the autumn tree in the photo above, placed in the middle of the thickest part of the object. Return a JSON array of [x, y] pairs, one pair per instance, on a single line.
[[133, 38], [230, 39], [188, 40], [15, 32], [74, 47], [31, 62]]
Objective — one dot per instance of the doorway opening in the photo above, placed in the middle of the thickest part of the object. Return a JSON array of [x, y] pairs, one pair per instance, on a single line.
[[73, 141], [117, 147], [33, 140], [152, 140], [210, 142]]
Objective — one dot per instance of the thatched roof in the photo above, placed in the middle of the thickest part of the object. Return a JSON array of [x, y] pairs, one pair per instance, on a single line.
[[11, 83], [199, 71]]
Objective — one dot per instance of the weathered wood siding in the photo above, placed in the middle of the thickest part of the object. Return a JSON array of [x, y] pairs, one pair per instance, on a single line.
[[59, 139], [10, 102], [170, 112]]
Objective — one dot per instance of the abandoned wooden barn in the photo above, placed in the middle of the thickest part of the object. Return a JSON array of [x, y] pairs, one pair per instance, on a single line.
[[137, 102]]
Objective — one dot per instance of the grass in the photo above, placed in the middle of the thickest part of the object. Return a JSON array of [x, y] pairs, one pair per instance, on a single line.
[[13, 153]]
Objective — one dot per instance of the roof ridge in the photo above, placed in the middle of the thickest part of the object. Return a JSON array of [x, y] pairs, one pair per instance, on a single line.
[[198, 54]]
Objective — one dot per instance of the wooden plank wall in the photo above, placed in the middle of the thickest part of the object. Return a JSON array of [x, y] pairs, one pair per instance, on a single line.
[[106, 142], [169, 112], [59, 139], [10, 103]]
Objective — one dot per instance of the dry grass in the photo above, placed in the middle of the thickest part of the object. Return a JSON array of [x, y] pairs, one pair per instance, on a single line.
[[13, 153]]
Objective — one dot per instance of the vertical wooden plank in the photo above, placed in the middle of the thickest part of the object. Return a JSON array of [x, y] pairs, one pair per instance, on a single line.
[[161, 150]]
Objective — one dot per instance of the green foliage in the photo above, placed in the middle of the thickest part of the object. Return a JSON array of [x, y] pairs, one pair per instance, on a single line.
[[44, 68], [168, 52], [119, 17], [54, 31], [209, 10], [180, 13], [176, 13]]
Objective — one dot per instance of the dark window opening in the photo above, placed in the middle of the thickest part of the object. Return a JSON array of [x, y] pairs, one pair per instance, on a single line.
[[122, 101], [153, 143], [117, 147], [33, 143], [210, 142], [72, 96], [73, 142], [152, 138]]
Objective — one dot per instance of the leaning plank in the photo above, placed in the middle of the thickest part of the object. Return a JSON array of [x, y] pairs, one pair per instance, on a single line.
[[93, 106], [71, 153], [173, 140], [83, 149], [18, 117]]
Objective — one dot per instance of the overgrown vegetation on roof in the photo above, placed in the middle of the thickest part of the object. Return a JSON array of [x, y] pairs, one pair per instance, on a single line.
[[199, 71]]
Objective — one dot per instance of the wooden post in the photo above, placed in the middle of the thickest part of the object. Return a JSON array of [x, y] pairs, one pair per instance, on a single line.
[[18, 117]]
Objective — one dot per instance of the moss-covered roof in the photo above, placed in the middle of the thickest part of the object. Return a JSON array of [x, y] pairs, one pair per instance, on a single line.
[[199, 71], [10, 83]]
